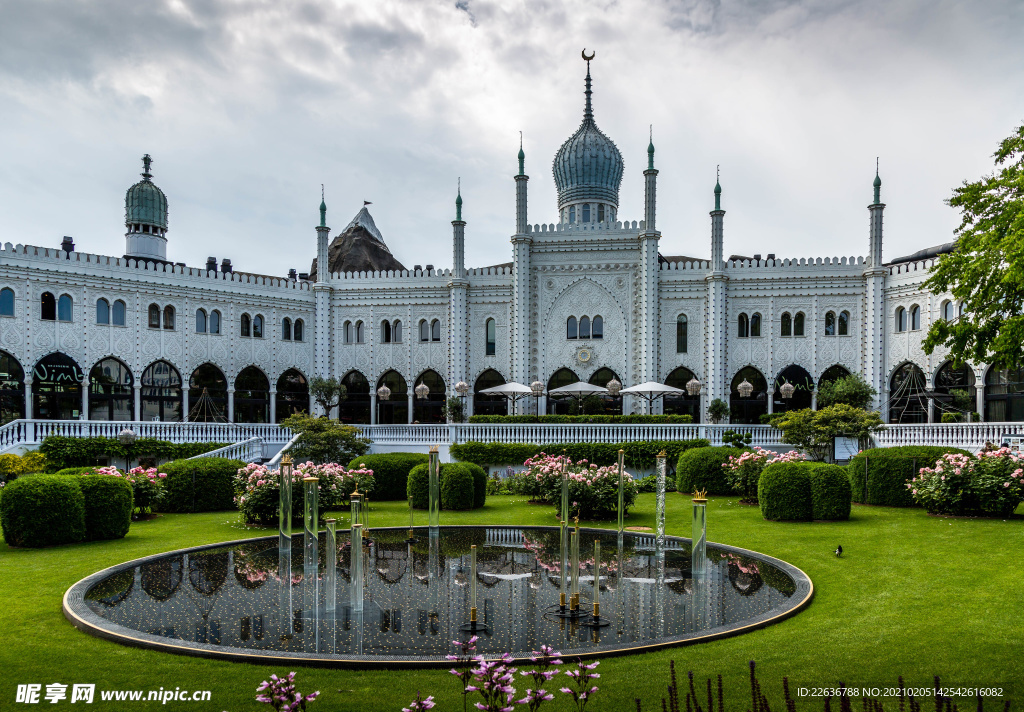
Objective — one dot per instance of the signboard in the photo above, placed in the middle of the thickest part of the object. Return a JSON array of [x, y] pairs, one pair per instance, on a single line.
[[845, 448], [1014, 441]]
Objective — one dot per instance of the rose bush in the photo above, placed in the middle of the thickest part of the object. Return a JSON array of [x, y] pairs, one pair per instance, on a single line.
[[593, 490], [257, 488], [743, 471], [991, 483], [147, 484]]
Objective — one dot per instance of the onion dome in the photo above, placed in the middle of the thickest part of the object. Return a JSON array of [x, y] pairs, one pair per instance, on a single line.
[[588, 166], [144, 203]]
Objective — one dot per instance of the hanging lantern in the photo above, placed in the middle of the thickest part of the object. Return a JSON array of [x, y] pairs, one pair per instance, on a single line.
[[613, 387], [462, 388], [383, 393], [538, 388], [786, 389], [126, 436], [693, 386], [422, 391], [745, 389]]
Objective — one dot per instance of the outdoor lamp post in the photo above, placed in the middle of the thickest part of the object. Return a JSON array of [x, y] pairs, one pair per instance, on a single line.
[[613, 387], [462, 389], [383, 394], [745, 389], [538, 390]]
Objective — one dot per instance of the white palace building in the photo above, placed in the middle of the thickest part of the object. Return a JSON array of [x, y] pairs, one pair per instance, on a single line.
[[590, 296]]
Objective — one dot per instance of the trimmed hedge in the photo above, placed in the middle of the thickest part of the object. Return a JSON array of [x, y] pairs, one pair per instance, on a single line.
[[479, 483], [701, 468], [639, 455], [43, 510], [888, 471], [78, 470], [635, 418], [108, 506], [390, 472], [213, 488], [784, 492], [62, 452], [458, 486], [830, 492]]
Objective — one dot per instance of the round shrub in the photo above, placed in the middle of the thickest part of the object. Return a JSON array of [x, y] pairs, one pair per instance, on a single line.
[[701, 469], [830, 492], [880, 475], [784, 492], [456, 486], [201, 485], [418, 486], [479, 483], [10, 467], [43, 510], [78, 470], [108, 506], [390, 472]]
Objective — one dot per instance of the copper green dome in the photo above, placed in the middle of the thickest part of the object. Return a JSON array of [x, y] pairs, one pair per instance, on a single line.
[[144, 203]]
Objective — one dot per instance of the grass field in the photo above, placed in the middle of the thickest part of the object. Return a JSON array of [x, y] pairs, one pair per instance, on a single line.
[[913, 595]]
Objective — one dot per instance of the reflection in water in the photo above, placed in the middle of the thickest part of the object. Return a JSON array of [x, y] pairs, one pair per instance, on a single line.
[[415, 595]]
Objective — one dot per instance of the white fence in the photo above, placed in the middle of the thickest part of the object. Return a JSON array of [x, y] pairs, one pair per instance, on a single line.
[[250, 450], [968, 436]]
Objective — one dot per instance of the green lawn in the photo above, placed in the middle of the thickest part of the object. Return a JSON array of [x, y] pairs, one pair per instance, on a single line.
[[913, 595]]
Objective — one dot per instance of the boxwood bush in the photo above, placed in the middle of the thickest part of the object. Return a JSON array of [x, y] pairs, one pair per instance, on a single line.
[[888, 469], [62, 452], [458, 486], [479, 483], [108, 506], [784, 492], [701, 468], [43, 510], [390, 472], [639, 455], [212, 490], [830, 492]]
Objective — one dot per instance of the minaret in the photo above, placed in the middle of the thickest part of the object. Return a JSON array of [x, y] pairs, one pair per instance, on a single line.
[[322, 341], [521, 321], [716, 382], [458, 305], [874, 304], [145, 217], [649, 267], [650, 186]]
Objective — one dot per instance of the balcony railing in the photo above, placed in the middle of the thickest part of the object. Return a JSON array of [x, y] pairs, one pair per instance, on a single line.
[[250, 450]]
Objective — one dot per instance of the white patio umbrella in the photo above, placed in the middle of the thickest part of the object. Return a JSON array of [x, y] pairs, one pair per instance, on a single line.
[[512, 391], [578, 390], [651, 391]]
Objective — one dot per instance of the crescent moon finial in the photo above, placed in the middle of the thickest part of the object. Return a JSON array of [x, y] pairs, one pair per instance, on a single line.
[[585, 57]]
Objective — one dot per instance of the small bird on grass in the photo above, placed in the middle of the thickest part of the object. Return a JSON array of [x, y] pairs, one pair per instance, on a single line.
[[839, 550]]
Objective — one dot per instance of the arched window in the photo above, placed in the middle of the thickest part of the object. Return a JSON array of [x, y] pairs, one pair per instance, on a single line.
[[948, 311], [385, 332], [102, 311], [571, 328], [915, 318], [246, 325], [435, 330], [844, 323], [681, 403], [169, 317], [600, 212], [798, 324], [830, 324], [215, 322], [682, 334], [286, 329], [431, 408], [957, 384], [584, 327], [572, 213], [492, 340], [755, 324], [586, 212], [396, 331], [208, 395], [489, 403], [747, 410], [299, 328], [561, 377], [161, 393], [833, 373], [119, 313], [424, 330], [64, 308], [743, 324], [47, 307], [57, 388], [348, 332], [257, 327], [395, 410], [787, 324], [611, 405], [1004, 395], [200, 321], [110, 391], [12, 388], [356, 406], [908, 402], [292, 394], [252, 396], [154, 316], [597, 328], [359, 332], [901, 319], [803, 385], [7, 302]]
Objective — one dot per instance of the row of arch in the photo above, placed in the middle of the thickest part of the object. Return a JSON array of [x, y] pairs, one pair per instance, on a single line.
[[585, 327], [390, 331], [955, 390], [58, 389]]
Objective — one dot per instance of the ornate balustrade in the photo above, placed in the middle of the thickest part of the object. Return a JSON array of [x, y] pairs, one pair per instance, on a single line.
[[250, 450], [32, 432]]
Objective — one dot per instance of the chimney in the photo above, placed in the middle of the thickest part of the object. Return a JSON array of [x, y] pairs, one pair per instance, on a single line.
[[211, 264], [771, 255], [417, 268], [68, 244], [757, 257], [430, 268], [292, 274], [304, 276], [225, 265]]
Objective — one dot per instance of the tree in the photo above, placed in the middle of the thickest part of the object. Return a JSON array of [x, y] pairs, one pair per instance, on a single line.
[[850, 390], [454, 410], [323, 440], [327, 392], [718, 410], [814, 431], [986, 270]]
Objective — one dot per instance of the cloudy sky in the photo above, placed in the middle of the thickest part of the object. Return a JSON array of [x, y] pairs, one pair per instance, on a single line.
[[247, 106]]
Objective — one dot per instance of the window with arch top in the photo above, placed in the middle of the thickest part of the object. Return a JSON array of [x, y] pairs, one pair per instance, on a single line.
[[298, 329], [743, 326], [169, 317], [246, 325], [348, 332], [755, 324], [47, 307], [682, 334], [424, 330], [215, 322], [600, 212], [65, 306], [586, 212], [901, 319], [572, 213], [915, 318], [597, 327], [492, 340], [844, 323], [257, 327], [201, 321], [154, 316], [385, 332], [102, 311], [286, 329], [119, 310], [359, 332], [435, 330], [396, 331], [798, 324], [948, 311], [6, 302], [787, 324], [830, 324], [572, 330], [584, 327]]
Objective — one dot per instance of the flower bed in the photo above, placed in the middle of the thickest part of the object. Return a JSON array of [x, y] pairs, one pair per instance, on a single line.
[[257, 488], [743, 471], [990, 484], [593, 490], [147, 484]]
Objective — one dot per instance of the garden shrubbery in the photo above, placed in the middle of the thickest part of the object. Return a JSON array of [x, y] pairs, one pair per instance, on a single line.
[[802, 491], [43, 510], [638, 455], [108, 506], [888, 470], [62, 452], [257, 489], [743, 471], [992, 484], [457, 482], [830, 492], [322, 440], [702, 468], [595, 418], [390, 472], [12, 466], [593, 490], [201, 485]]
